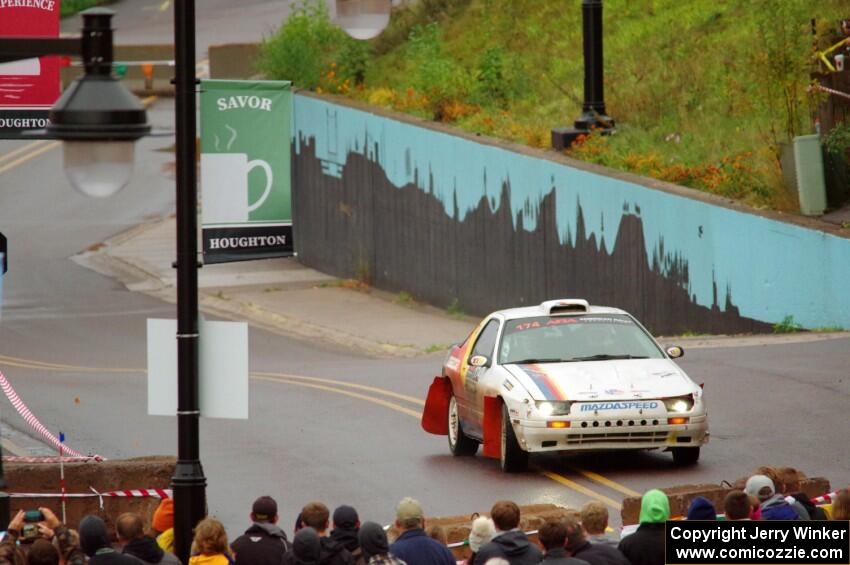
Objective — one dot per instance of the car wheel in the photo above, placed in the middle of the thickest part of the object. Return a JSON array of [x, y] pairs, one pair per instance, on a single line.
[[459, 442], [683, 456], [513, 458]]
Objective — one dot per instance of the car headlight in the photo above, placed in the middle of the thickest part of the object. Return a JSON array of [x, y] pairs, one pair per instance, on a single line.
[[547, 408], [679, 403]]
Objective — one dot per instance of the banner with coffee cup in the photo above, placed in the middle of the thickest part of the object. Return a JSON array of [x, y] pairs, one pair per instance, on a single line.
[[246, 202]]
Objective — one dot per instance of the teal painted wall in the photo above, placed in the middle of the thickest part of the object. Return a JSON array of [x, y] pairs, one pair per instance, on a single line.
[[773, 268]]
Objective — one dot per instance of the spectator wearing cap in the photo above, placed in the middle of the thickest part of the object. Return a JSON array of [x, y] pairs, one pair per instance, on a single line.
[[773, 506], [346, 524], [553, 537], [413, 545], [131, 535], [264, 543], [373, 542], [701, 508], [162, 524], [594, 520], [306, 547], [317, 516], [94, 540], [789, 479], [646, 545], [580, 547], [510, 542]]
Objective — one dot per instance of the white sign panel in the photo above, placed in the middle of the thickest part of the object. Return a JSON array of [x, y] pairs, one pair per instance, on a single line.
[[223, 369]]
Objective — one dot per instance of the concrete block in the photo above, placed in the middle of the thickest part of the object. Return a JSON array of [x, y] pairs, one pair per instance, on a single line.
[[234, 60], [681, 496]]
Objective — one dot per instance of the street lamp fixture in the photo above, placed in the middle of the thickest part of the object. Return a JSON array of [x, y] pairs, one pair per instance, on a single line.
[[362, 19], [97, 117]]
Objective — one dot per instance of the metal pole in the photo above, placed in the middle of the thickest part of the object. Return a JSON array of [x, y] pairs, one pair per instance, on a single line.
[[594, 96], [189, 483], [593, 113]]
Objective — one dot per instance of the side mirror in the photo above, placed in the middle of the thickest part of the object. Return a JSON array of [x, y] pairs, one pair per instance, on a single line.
[[674, 351], [479, 361]]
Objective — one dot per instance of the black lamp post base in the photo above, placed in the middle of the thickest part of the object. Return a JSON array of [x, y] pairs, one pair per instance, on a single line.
[[190, 504]]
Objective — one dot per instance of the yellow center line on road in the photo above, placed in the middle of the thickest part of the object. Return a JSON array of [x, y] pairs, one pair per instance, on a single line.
[[384, 403], [614, 485], [333, 386], [579, 488], [33, 364], [19, 150], [35, 153], [382, 391]]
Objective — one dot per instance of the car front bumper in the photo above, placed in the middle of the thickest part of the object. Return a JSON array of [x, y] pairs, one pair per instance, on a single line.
[[611, 433]]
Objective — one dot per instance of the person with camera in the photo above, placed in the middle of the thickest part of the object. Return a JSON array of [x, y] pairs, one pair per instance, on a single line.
[[31, 525], [28, 526]]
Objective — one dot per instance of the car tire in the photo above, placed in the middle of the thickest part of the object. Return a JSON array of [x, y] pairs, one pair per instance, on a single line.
[[684, 456], [513, 458], [459, 443]]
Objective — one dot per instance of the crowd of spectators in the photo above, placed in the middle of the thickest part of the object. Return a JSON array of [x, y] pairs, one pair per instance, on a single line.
[[322, 538]]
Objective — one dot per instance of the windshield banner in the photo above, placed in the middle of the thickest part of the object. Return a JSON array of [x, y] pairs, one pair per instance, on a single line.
[[245, 170]]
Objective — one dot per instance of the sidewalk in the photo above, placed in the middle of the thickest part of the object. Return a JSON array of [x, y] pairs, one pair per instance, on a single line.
[[282, 296], [285, 297]]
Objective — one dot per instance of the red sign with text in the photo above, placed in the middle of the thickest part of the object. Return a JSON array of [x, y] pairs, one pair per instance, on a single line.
[[30, 86]]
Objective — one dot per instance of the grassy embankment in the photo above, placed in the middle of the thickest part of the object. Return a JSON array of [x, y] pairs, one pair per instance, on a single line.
[[704, 93]]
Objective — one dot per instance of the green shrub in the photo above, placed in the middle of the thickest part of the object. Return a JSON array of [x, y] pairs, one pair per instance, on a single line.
[[70, 7], [434, 73], [491, 85], [837, 142], [787, 326], [311, 51]]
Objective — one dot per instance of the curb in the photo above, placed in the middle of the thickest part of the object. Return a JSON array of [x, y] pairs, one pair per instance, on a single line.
[[136, 278]]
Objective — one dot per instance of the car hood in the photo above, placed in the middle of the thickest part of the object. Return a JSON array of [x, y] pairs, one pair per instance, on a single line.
[[603, 380]]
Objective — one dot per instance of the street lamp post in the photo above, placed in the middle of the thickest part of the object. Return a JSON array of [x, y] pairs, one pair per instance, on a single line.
[[593, 115], [188, 483], [96, 117]]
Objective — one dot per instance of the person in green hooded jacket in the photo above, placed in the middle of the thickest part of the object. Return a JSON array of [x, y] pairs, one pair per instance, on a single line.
[[646, 545]]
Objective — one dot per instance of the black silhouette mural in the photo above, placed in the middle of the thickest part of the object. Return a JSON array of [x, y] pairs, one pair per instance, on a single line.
[[352, 221]]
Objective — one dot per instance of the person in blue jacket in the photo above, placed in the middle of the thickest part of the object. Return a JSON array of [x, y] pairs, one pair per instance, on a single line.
[[773, 506], [414, 546]]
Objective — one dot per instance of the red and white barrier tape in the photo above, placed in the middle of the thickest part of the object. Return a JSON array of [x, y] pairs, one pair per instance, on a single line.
[[16, 459], [832, 91], [134, 493], [33, 421]]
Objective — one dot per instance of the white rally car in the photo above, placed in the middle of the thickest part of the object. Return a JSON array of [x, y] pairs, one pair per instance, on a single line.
[[564, 376]]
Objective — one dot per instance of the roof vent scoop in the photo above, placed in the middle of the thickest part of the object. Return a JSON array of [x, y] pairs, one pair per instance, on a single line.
[[565, 306]]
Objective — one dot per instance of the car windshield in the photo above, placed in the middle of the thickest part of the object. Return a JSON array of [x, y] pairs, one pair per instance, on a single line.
[[545, 339]]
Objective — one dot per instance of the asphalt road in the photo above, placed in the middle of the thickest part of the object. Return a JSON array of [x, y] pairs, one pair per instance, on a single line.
[[329, 440], [218, 21]]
